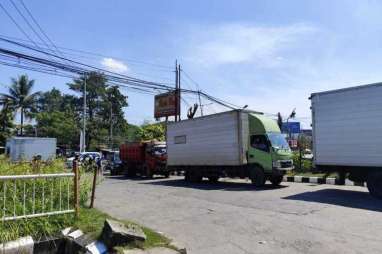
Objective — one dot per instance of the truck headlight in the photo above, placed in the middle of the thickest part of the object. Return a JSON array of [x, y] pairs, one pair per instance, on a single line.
[[276, 164]]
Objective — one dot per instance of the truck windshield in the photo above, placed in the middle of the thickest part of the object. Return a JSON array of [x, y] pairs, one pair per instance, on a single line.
[[278, 141], [159, 150]]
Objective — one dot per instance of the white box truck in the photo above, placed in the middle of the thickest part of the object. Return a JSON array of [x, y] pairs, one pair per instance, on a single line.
[[237, 143], [25, 148], [347, 134]]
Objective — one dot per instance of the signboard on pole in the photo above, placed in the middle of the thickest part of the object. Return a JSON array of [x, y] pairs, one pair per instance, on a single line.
[[165, 104], [291, 127]]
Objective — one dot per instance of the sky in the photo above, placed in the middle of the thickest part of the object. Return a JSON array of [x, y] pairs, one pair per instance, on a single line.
[[269, 55]]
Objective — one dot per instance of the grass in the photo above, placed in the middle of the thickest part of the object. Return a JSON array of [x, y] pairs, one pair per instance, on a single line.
[[90, 221]]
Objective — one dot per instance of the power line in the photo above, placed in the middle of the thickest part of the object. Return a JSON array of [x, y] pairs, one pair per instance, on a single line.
[[111, 76], [193, 81], [17, 25], [29, 25], [39, 27], [85, 54]]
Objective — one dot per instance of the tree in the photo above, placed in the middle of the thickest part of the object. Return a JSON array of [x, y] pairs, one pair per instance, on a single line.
[[152, 131], [60, 125], [112, 112], [6, 123], [20, 98], [95, 95], [54, 100]]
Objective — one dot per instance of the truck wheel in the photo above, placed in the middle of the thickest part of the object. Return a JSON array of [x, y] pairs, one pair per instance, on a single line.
[[257, 176], [374, 184], [131, 172], [276, 180], [213, 179], [193, 178]]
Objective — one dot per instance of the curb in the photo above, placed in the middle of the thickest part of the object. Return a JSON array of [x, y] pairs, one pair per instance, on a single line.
[[21, 245], [27, 245], [320, 180]]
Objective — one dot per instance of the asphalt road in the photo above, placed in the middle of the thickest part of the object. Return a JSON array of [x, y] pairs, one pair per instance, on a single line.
[[233, 217]]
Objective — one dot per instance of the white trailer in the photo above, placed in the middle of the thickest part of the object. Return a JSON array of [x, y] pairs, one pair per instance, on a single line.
[[25, 148], [347, 133]]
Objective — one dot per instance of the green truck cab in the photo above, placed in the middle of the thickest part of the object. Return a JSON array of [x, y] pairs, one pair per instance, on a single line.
[[268, 150], [237, 143]]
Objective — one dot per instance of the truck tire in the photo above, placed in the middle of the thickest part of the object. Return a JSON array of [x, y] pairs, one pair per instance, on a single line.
[[192, 178], [374, 184], [257, 176], [276, 180], [131, 172]]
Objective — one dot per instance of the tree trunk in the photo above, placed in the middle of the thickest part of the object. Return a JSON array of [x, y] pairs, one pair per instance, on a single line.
[[22, 122]]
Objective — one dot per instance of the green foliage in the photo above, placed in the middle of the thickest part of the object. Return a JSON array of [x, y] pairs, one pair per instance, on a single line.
[[152, 131], [41, 226], [306, 165], [6, 124], [61, 125], [20, 97], [60, 115]]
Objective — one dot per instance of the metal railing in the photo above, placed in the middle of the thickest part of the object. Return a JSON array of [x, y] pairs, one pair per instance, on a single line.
[[30, 196]]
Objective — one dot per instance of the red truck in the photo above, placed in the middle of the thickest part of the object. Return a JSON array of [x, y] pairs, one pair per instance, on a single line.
[[144, 158]]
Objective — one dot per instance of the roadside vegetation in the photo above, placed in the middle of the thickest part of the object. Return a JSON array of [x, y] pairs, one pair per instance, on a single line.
[[90, 221]]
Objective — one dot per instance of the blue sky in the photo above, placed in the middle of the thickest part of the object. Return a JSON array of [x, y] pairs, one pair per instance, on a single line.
[[270, 55]]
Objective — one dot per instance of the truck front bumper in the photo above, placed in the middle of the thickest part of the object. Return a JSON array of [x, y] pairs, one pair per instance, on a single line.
[[283, 165]]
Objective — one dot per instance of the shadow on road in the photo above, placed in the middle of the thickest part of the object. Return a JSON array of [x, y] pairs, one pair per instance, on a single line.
[[346, 198], [136, 178], [206, 185]]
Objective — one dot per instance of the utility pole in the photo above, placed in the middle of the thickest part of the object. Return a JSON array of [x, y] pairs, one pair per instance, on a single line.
[[176, 90], [179, 98], [111, 126], [83, 148], [200, 104]]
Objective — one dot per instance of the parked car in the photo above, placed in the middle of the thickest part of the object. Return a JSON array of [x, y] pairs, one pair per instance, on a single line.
[[84, 157], [307, 154], [111, 162]]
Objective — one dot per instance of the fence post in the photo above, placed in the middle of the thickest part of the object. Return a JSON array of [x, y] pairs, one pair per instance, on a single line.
[[94, 186], [76, 188]]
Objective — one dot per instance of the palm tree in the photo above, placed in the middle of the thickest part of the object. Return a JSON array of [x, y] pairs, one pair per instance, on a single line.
[[20, 97]]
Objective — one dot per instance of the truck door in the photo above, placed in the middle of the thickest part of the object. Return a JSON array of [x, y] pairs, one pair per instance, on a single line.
[[259, 152]]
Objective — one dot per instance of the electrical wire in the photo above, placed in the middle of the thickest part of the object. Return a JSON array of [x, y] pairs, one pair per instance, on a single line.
[[81, 69], [17, 25], [86, 54], [39, 27], [30, 26]]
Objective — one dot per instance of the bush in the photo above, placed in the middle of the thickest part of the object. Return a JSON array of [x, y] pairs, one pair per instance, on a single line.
[[306, 165], [42, 203]]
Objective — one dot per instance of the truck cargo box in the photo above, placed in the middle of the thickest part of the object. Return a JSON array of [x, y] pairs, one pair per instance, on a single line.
[[347, 126], [219, 139], [25, 148]]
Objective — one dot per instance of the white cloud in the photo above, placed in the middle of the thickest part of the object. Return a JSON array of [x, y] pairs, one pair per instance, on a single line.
[[114, 65], [241, 43]]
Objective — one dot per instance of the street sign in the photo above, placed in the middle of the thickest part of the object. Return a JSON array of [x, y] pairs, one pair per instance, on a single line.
[[165, 105], [291, 127]]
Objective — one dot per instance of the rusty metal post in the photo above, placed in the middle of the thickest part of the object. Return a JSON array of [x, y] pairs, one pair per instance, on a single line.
[[76, 187], [94, 186]]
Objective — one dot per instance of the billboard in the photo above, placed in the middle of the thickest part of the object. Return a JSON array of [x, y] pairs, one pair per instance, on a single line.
[[165, 105], [291, 127]]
